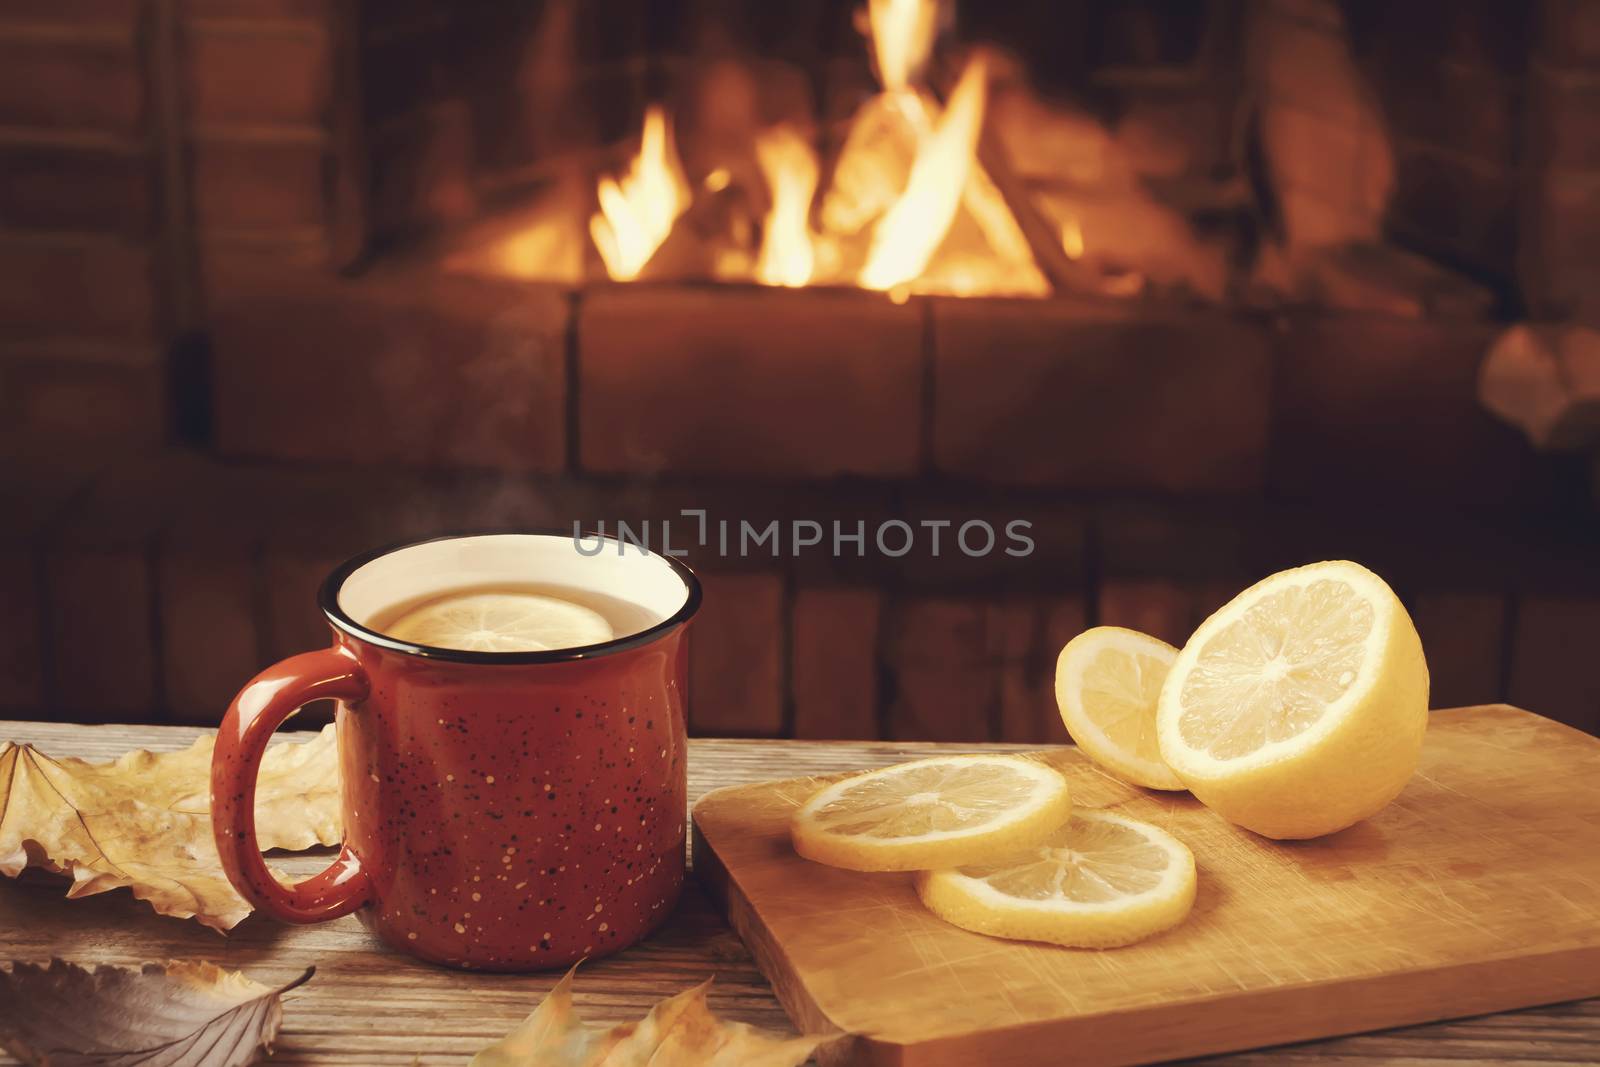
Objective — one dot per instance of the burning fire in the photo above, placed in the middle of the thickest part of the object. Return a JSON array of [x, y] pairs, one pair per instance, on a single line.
[[912, 229], [908, 208], [1072, 238], [789, 164], [902, 39], [637, 212]]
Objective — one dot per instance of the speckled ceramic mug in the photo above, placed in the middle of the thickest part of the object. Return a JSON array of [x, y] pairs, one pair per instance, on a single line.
[[502, 810]]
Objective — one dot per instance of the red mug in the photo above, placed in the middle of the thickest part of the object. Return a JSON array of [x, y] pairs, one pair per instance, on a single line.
[[502, 810]]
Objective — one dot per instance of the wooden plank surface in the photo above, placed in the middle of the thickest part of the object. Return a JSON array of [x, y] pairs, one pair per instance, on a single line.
[[371, 1006], [1478, 889]]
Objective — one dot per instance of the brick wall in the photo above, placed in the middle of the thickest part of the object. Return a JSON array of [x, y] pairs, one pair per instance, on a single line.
[[83, 310], [1357, 141], [1164, 455], [1560, 200], [268, 136], [1456, 122], [1463, 130], [149, 589], [148, 147]]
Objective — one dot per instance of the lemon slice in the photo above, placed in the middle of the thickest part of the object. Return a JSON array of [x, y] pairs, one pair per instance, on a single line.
[[501, 622], [1099, 881], [937, 812], [1299, 707], [1108, 682]]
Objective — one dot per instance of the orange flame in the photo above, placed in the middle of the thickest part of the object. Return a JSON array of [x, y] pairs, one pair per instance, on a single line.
[[637, 212], [911, 230], [1072, 237], [908, 208], [789, 164], [902, 37]]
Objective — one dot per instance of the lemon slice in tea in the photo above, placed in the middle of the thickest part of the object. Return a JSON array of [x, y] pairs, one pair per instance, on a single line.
[[501, 622]]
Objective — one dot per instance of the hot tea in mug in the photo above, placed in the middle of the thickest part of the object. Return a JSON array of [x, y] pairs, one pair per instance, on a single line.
[[511, 743]]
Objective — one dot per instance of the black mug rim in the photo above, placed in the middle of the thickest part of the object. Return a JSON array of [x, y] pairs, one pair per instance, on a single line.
[[328, 601]]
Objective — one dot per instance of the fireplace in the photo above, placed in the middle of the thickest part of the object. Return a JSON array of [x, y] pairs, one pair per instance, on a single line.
[[1194, 290]]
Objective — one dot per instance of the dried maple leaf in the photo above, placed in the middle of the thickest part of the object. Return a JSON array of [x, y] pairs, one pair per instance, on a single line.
[[680, 1031], [144, 820], [297, 791], [193, 1014]]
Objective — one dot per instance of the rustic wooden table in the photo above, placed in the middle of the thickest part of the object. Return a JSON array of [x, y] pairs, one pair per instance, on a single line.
[[367, 1005]]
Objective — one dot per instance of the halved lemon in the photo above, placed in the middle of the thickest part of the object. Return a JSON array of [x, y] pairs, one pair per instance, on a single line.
[[501, 622], [1099, 881], [938, 812], [1108, 682], [1299, 707]]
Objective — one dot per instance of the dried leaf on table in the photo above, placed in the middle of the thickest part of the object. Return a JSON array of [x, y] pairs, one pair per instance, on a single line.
[[194, 1014], [144, 820], [681, 1031], [297, 791]]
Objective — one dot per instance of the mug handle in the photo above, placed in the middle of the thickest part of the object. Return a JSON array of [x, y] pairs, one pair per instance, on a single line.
[[258, 710]]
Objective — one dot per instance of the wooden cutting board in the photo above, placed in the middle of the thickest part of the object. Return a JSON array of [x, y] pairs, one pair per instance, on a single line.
[[1477, 890]]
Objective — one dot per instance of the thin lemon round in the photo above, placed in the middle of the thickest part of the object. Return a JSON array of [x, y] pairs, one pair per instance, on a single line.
[[1100, 881], [1108, 683], [1298, 709], [938, 812], [501, 622]]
